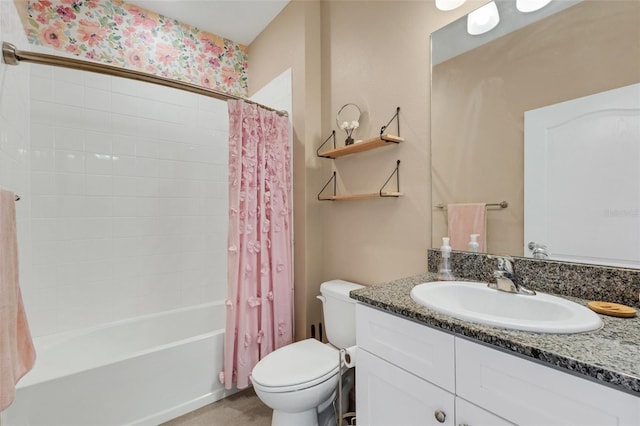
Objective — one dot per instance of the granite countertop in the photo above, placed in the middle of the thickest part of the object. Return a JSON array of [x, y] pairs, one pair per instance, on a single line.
[[610, 355]]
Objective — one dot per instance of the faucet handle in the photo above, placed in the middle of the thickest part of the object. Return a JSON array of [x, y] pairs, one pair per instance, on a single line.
[[533, 245], [505, 263], [538, 251]]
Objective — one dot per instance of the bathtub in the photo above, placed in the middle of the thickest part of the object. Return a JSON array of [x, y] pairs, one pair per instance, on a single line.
[[142, 371]]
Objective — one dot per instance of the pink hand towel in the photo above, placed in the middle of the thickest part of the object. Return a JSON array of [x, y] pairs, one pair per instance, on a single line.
[[464, 220], [17, 354]]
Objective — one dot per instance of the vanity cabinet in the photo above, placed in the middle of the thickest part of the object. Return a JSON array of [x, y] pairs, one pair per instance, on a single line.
[[388, 395], [528, 393], [412, 374], [394, 357], [468, 414]]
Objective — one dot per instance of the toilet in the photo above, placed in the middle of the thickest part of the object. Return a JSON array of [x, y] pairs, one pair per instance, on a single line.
[[299, 381]]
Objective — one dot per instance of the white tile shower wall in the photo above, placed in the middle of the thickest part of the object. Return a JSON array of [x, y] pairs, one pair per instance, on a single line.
[[129, 184], [14, 129]]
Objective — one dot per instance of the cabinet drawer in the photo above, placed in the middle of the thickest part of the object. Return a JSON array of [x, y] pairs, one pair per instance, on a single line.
[[528, 393], [421, 350], [387, 395]]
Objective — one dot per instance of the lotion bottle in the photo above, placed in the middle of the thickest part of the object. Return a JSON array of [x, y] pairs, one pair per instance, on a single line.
[[474, 246], [444, 270]]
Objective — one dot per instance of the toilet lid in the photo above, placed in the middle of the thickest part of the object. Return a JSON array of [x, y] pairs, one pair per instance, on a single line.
[[296, 364]]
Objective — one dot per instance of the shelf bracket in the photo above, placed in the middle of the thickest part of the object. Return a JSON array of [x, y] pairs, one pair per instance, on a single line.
[[332, 135], [397, 118], [395, 172], [333, 178]]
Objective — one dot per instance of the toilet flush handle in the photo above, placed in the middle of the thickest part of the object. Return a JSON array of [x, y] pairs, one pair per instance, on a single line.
[[321, 298]]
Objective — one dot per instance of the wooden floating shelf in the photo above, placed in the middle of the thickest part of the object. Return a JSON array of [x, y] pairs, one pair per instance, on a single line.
[[365, 145], [347, 197]]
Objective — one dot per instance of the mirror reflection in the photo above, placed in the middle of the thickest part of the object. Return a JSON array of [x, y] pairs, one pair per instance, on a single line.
[[480, 99]]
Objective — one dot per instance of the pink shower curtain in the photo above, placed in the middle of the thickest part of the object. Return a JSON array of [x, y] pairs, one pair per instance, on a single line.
[[260, 277]]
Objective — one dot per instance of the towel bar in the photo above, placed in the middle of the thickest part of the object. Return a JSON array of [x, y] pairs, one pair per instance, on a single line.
[[502, 205]]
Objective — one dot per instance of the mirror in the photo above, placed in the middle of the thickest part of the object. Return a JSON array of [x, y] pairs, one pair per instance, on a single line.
[[481, 91], [348, 119]]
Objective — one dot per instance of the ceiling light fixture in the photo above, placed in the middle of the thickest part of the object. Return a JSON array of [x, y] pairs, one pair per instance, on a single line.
[[483, 19], [527, 6], [449, 4]]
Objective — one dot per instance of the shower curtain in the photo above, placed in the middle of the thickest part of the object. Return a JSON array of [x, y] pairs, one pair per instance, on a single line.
[[260, 269]]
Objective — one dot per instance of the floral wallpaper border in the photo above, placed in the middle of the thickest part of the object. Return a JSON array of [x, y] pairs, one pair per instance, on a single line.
[[118, 33]]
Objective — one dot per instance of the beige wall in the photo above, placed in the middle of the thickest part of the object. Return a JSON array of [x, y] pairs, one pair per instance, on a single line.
[[374, 54], [481, 97], [292, 40]]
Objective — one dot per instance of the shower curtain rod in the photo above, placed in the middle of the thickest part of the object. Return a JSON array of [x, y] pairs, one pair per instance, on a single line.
[[12, 56]]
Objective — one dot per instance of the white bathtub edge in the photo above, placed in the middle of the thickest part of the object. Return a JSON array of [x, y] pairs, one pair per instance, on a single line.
[[169, 381], [55, 338]]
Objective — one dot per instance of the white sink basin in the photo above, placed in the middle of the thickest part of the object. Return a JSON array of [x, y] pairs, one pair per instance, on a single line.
[[475, 302]]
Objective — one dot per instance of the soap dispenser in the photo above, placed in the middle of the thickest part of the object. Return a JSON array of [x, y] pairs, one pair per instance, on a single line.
[[444, 270], [474, 247]]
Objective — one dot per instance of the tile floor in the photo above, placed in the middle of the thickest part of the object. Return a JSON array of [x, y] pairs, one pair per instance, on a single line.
[[242, 409]]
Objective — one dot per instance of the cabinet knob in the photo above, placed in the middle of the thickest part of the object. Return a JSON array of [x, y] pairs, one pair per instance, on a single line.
[[440, 416]]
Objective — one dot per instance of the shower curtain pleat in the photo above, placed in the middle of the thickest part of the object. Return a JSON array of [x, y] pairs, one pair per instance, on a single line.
[[260, 279]]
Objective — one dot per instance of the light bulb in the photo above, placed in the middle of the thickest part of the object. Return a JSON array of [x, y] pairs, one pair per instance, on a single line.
[[527, 6], [483, 19], [449, 4]]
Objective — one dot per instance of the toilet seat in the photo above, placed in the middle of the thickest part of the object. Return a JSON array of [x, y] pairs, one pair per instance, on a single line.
[[296, 366]]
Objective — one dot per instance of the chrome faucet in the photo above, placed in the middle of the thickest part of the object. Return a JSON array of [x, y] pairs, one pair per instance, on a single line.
[[507, 280]]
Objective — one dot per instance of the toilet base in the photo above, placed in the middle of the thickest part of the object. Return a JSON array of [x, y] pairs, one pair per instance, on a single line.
[[313, 417], [305, 418]]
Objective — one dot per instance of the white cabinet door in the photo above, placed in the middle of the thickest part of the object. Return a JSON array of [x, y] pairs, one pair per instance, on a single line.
[[527, 393], [468, 414], [423, 351], [389, 396]]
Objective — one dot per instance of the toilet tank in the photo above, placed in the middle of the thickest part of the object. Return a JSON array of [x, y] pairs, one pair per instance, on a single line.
[[339, 312]]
